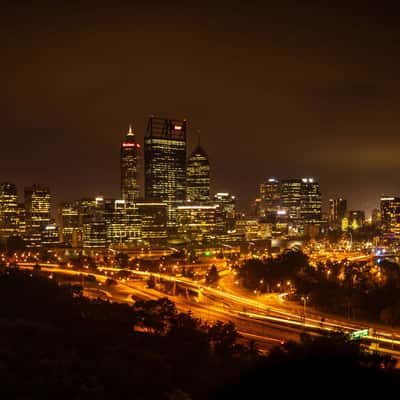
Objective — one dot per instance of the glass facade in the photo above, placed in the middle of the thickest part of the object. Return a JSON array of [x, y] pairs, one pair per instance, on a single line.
[[270, 193], [37, 204], [153, 221], [337, 211], [165, 163], [198, 176], [9, 213], [390, 215], [311, 202]]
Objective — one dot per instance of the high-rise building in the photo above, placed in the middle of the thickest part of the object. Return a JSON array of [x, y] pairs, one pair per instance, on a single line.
[[270, 193], [123, 223], [226, 210], [153, 221], [68, 221], [37, 204], [390, 215], [94, 224], [21, 215], [337, 211], [295, 204], [291, 196], [198, 221], [50, 235], [311, 202], [9, 215], [129, 168], [198, 176], [165, 163]]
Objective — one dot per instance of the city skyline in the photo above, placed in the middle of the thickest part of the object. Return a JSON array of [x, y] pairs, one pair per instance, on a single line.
[[275, 91], [130, 135]]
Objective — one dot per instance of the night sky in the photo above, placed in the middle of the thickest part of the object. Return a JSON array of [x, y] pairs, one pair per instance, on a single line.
[[290, 90]]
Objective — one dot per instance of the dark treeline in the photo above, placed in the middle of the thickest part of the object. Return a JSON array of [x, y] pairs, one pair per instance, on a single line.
[[55, 343], [351, 289]]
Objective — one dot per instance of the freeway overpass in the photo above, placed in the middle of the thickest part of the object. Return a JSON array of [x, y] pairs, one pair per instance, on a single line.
[[268, 324]]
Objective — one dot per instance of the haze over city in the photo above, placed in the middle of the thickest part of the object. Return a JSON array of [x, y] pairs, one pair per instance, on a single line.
[[288, 90]]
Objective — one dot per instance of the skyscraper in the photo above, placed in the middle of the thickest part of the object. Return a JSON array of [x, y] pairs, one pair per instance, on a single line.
[[226, 211], [311, 202], [291, 195], [9, 216], [270, 193], [390, 215], [68, 221], [165, 163], [198, 176], [295, 203], [37, 204], [337, 211], [129, 168]]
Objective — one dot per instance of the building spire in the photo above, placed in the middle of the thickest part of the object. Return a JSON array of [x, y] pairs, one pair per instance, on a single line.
[[131, 132]]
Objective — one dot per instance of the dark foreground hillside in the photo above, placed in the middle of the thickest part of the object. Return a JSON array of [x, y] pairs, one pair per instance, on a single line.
[[56, 344]]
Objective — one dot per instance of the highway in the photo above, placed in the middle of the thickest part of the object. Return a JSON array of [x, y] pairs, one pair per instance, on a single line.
[[268, 323]]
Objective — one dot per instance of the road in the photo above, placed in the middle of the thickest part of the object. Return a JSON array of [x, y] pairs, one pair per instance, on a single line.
[[268, 322]]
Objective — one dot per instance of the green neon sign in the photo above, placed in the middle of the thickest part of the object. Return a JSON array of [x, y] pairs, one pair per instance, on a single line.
[[358, 334]]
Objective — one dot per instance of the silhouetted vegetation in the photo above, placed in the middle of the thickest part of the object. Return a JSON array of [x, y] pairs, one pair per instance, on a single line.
[[316, 367], [212, 275], [55, 343], [353, 289], [58, 344]]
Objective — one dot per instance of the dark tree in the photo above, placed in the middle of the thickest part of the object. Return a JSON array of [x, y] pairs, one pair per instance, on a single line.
[[212, 275]]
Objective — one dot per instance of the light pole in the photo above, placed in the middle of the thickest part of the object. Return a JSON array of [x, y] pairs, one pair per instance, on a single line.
[[304, 307], [256, 293]]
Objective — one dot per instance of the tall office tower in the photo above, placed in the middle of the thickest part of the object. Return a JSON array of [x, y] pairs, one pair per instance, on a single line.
[[270, 193], [68, 221], [337, 211], [93, 220], [129, 168], [165, 163], [311, 202], [37, 204], [291, 196], [226, 210], [198, 176], [9, 214], [390, 215]]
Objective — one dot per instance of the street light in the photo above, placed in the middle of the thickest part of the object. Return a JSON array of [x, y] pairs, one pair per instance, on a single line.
[[256, 292], [304, 307]]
